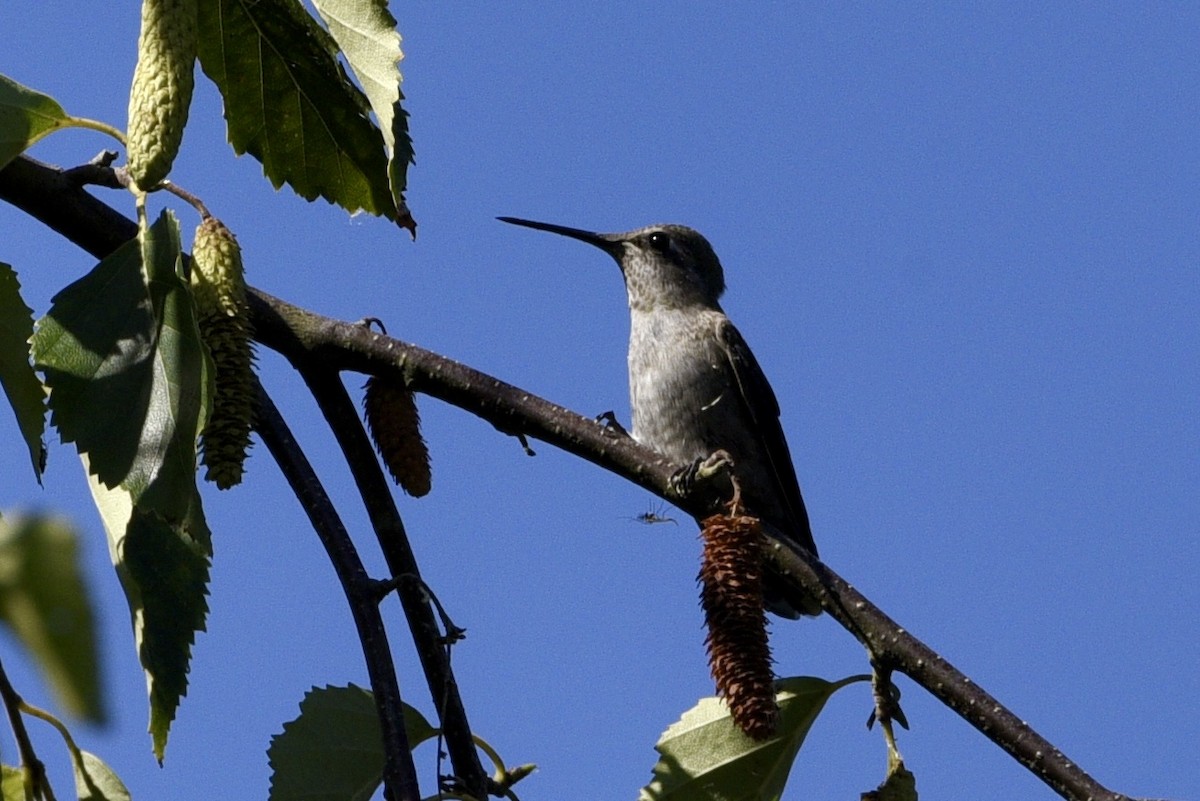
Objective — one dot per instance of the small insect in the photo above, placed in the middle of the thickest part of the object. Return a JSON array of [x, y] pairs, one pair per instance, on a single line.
[[653, 515]]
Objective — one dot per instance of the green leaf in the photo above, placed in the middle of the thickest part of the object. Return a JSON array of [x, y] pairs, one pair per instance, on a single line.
[[95, 348], [289, 103], [182, 388], [20, 382], [25, 117], [163, 566], [167, 569], [96, 781], [12, 783], [366, 33], [128, 376], [130, 384], [333, 750], [705, 756], [44, 600], [900, 784]]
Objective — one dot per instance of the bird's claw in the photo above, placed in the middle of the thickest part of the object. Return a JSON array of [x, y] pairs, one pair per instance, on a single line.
[[684, 480]]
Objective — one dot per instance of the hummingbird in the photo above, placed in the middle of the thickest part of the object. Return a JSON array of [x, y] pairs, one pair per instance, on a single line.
[[694, 385]]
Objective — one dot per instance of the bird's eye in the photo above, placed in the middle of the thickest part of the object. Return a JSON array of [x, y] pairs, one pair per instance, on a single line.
[[660, 242]]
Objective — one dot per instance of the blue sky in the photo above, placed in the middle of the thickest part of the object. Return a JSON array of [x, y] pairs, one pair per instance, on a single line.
[[963, 242]]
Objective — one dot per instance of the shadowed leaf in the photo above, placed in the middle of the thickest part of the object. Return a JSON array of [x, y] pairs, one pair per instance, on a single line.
[[129, 383], [20, 382], [333, 750], [289, 103], [130, 386]]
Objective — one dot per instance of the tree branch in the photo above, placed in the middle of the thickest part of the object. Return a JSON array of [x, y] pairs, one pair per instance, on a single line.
[[58, 199], [344, 346], [343, 419], [284, 327], [399, 773], [892, 647]]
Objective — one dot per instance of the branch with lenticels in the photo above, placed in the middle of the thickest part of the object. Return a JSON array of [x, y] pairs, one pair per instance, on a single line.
[[59, 201]]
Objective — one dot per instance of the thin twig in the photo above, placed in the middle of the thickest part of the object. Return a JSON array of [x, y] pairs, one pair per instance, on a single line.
[[29, 759], [100, 172], [97, 172], [41, 192], [188, 197], [342, 417], [399, 775]]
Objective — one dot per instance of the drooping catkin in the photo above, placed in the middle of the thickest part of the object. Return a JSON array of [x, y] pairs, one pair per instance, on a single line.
[[731, 594], [395, 426], [162, 88], [219, 289]]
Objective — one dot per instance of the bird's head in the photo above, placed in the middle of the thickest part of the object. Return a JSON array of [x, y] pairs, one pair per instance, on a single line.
[[670, 266]]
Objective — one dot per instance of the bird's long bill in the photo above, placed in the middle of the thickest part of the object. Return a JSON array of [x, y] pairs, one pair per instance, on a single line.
[[606, 242]]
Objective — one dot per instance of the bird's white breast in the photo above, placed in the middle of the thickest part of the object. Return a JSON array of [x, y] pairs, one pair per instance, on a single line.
[[678, 382]]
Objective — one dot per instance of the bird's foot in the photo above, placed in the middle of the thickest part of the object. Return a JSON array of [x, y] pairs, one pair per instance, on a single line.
[[611, 424], [684, 480]]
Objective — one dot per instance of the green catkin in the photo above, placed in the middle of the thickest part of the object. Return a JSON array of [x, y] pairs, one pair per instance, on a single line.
[[219, 289], [162, 89]]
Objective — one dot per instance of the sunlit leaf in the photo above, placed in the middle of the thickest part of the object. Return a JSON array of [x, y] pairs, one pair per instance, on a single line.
[[366, 33], [705, 756], [96, 781], [25, 117], [289, 104], [900, 785], [333, 750], [12, 783], [44, 600], [20, 382]]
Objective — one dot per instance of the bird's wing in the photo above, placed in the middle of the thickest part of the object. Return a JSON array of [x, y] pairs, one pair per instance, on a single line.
[[759, 400]]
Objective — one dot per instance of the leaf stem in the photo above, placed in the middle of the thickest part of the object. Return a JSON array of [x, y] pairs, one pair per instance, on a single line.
[[37, 784], [95, 125]]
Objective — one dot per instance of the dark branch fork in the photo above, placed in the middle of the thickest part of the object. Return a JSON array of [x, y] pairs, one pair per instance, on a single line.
[[307, 338]]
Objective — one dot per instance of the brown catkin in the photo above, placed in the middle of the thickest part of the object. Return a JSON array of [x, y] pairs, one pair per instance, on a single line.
[[162, 88], [731, 594], [395, 427], [219, 289]]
